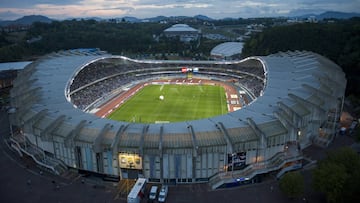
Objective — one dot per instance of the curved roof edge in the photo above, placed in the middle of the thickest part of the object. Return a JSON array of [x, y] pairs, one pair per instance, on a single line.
[[38, 93]]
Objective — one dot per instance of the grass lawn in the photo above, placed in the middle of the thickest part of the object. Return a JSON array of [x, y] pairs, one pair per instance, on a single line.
[[180, 103]]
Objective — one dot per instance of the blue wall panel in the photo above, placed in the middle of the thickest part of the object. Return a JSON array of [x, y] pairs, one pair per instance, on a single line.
[[89, 160]]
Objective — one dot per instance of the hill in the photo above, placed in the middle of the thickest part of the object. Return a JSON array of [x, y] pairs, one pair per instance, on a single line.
[[336, 15], [27, 20], [329, 15]]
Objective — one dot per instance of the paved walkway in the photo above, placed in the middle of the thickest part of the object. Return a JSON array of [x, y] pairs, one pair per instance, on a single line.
[[21, 181]]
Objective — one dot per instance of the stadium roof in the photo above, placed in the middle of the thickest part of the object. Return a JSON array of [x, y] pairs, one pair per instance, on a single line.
[[293, 79], [180, 28], [14, 65], [227, 49]]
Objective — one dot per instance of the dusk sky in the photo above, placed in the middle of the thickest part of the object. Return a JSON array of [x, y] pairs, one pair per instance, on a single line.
[[62, 9]]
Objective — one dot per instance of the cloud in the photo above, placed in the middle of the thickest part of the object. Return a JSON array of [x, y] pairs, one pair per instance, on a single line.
[[300, 12], [8, 15], [31, 3], [150, 8]]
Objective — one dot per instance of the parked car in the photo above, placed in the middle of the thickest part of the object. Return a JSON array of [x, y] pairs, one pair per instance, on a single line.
[[163, 193], [153, 192]]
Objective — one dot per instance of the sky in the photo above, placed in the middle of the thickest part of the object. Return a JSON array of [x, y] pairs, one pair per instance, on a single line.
[[217, 9]]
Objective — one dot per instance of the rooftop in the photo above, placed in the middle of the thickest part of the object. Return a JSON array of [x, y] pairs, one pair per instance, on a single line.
[[227, 49], [180, 28], [285, 82]]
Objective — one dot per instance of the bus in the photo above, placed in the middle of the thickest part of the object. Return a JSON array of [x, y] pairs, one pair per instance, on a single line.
[[137, 192]]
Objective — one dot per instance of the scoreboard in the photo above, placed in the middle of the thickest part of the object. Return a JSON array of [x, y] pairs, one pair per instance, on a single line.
[[189, 70]]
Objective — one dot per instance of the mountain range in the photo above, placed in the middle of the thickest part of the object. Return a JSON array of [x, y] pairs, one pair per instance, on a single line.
[[331, 15], [28, 20]]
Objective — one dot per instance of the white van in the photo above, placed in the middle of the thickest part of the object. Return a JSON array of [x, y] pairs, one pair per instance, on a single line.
[[153, 192], [163, 193]]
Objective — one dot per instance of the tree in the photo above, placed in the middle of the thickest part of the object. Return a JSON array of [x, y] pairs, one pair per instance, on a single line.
[[357, 134], [338, 41], [330, 179], [292, 184], [345, 156], [338, 176]]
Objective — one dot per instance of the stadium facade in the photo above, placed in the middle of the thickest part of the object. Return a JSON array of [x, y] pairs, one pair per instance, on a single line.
[[294, 100]]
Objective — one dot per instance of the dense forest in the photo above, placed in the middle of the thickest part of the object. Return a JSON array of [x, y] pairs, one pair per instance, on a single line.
[[338, 41], [131, 39]]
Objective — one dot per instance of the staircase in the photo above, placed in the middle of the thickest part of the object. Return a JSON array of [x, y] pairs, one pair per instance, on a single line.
[[23, 146], [326, 135], [251, 171]]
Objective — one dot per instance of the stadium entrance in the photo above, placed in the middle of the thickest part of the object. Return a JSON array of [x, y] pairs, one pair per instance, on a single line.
[[130, 165]]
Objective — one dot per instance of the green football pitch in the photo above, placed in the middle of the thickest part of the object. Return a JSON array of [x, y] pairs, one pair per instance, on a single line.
[[179, 103]]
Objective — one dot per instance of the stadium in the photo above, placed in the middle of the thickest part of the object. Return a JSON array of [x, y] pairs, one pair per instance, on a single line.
[[277, 105]]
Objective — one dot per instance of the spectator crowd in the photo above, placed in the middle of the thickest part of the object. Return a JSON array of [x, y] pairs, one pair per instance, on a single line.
[[101, 78]]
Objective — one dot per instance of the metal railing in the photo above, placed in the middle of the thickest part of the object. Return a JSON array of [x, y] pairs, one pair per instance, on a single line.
[[38, 155], [275, 163]]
